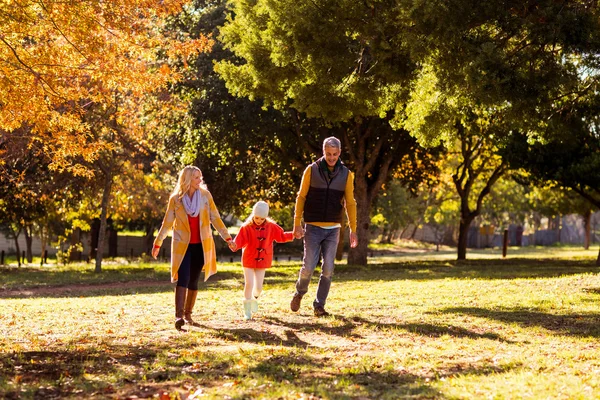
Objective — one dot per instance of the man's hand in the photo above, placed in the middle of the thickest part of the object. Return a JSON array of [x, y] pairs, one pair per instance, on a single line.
[[155, 251], [298, 232], [353, 240]]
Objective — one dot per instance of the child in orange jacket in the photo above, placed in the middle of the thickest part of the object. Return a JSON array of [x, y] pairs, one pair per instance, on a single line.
[[256, 238]]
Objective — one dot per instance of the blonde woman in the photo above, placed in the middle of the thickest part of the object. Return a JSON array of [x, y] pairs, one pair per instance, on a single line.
[[190, 212]]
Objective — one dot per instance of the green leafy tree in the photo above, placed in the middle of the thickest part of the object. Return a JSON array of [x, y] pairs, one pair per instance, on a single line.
[[570, 159], [395, 208], [490, 69], [331, 61]]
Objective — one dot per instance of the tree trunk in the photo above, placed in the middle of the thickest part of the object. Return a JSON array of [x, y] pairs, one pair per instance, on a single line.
[[390, 236], [75, 255], [43, 243], [414, 232], [104, 210], [463, 235], [94, 232], [587, 223], [16, 236], [27, 230], [385, 234], [404, 230], [598, 259], [358, 255], [149, 239]]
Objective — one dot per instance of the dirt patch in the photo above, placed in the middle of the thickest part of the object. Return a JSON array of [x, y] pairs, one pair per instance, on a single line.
[[75, 289]]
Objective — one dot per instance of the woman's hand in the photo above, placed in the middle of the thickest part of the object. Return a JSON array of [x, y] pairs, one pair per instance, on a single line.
[[155, 251]]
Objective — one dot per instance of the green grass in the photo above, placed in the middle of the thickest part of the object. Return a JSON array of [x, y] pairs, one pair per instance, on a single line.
[[415, 324]]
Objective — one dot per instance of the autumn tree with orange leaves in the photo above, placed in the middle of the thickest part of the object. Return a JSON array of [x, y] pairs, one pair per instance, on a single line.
[[61, 62]]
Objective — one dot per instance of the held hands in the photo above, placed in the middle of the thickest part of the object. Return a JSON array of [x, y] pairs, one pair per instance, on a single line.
[[353, 240], [232, 245], [298, 232]]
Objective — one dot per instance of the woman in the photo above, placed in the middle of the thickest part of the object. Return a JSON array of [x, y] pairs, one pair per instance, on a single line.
[[190, 212]]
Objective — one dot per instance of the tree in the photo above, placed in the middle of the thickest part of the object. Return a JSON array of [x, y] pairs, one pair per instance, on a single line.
[[59, 57], [571, 158], [238, 143], [331, 61], [140, 195], [78, 72], [489, 69], [29, 191], [395, 208]]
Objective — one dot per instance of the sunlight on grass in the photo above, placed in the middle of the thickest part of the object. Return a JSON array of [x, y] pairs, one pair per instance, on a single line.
[[414, 325]]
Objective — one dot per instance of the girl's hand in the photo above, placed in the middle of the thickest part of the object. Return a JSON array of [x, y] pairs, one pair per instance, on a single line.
[[155, 251], [232, 245]]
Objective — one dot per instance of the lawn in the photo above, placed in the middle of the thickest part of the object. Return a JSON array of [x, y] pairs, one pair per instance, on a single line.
[[413, 324]]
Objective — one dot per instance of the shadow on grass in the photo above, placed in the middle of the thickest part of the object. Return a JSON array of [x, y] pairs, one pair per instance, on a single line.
[[514, 268], [83, 372], [125, 280], [349, 325], [358, 381], [110, 285], [131, 371], [581, 325], [257, 337]]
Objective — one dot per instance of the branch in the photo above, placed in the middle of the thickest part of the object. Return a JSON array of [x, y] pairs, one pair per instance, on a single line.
[[498, 172], [586, 195], [36, 74], [61, 32]]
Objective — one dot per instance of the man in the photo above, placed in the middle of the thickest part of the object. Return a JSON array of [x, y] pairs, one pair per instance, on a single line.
[[327, 188]]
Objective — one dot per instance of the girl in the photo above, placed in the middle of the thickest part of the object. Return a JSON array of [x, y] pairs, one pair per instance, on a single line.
[[190, 212], [256, 239]]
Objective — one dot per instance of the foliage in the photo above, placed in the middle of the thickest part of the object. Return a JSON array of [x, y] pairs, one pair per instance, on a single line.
[[335, 62], [236, 142], [488, 70], [60, 57], [397, 208], [570, 159], [33, 198]]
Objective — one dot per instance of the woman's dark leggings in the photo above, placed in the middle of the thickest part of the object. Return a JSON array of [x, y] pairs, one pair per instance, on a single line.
[[191, 266]]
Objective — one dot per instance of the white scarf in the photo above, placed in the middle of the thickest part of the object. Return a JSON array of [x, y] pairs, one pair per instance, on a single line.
[[192, 206]]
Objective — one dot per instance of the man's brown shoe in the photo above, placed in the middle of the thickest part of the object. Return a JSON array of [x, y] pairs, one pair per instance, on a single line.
[[320, 312], [295, 303]]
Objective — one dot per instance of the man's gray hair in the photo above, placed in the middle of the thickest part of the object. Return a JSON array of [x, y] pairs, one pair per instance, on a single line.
[[332, 141]]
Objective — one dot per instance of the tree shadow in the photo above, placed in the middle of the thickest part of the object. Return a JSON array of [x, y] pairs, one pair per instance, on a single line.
[[254, 336], [592, 290], [581, 325], [490, 269], [349, 325], [373, 381], [65, 373], [111, 288], [125, 371]]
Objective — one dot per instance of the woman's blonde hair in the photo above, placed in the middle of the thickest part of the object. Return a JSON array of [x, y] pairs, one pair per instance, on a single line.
[[185, 181]]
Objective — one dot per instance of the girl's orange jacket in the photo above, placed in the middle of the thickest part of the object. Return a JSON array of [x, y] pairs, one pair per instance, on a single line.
[[256, 242]]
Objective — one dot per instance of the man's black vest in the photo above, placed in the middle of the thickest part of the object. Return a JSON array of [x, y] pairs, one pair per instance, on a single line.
[[326, 193]]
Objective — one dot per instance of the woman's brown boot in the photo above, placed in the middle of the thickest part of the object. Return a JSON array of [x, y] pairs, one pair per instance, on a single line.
[[190, 300], [179, 302]]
